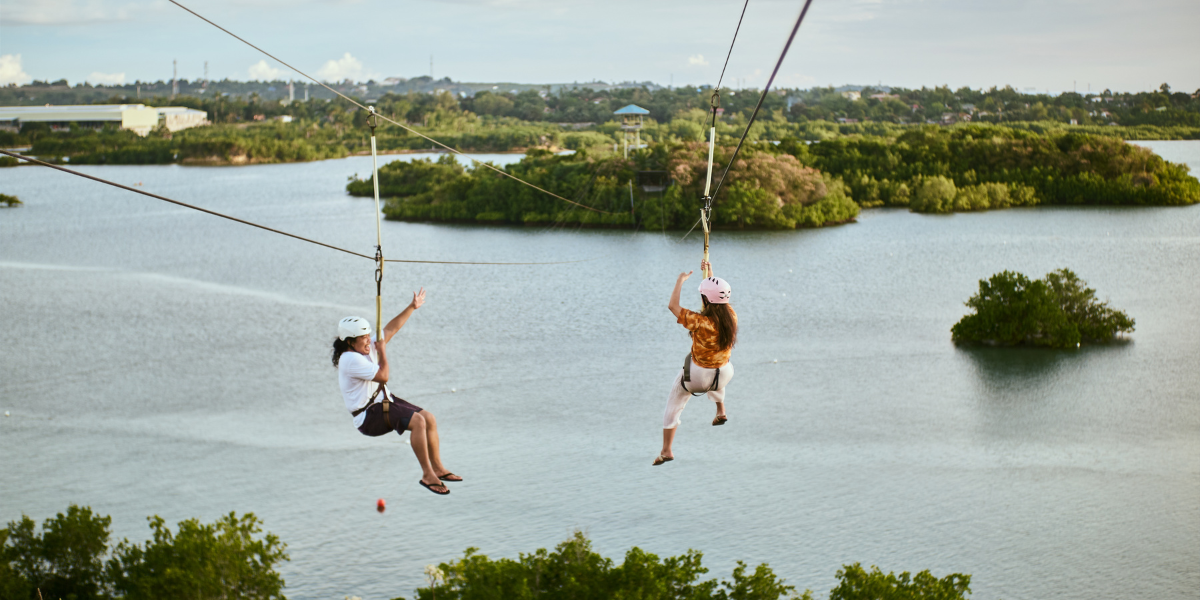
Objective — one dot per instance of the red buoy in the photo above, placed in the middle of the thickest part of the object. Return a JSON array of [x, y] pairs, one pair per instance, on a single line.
[[380, 505]]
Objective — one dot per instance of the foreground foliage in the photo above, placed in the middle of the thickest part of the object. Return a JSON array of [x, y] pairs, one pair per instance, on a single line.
[[574, 571], [7, 200], [1059, 312], [765, 190], [856, 583], [224, 559]]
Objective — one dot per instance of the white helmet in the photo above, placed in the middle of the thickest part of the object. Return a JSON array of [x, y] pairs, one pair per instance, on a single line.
[[716, 290], [353, 327]]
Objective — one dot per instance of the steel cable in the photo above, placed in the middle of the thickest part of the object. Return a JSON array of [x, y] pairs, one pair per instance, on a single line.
[[400, 125], [264, 227]]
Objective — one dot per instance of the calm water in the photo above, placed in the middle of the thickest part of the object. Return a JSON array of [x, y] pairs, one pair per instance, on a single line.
[[161, 361]]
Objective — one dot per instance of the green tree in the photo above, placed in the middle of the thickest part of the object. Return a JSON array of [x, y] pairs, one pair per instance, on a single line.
[[1059, 312], [856, 583], [65, 560], [574, 571], [214, 561]]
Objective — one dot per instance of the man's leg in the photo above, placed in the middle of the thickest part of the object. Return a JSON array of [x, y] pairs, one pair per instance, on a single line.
[[420, 447], [434, 444]]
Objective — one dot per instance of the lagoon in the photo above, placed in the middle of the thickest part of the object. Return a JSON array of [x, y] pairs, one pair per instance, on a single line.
[[161, 361]]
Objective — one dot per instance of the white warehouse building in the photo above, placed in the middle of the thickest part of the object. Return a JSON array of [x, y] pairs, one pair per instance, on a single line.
[[138, 118]]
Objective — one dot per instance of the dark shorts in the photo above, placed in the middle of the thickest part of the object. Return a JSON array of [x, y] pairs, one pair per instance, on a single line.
[[400, 413]]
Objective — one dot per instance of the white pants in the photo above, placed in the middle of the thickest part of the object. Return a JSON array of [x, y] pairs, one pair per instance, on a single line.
[[701, 380]]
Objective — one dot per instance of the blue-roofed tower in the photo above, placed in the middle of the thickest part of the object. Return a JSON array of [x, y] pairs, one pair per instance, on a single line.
[[631, 125]]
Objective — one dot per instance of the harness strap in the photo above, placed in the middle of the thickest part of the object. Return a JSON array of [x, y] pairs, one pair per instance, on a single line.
[[687, 377], [385, 402]]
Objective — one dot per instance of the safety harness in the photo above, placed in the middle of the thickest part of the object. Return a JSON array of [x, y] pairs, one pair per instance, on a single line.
[[386, 402], [687, 377]]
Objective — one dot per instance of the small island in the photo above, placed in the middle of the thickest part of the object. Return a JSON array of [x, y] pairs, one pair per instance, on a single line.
[[1057, 312], [656, 189]]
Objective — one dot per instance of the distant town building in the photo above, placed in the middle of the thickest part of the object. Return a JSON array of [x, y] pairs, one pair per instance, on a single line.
[[884, 97], [176, 118], [138, 118], [852, 95]]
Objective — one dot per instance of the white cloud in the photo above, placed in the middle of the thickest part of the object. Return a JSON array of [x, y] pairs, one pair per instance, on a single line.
[[697, 59], [98, 78], [346, 67], [11, 71], [261, 71]]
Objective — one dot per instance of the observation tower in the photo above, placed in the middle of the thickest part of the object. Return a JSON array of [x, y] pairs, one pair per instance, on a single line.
[[631, 125]]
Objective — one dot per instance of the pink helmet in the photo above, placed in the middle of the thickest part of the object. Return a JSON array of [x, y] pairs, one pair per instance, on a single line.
[[716, 290]]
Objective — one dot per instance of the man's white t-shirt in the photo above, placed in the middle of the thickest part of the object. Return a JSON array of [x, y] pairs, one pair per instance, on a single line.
[[355, 373]]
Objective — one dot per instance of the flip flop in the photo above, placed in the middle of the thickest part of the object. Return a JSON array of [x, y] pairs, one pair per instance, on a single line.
[[719, 420], [447, 477], [430, 487], [662, 459]]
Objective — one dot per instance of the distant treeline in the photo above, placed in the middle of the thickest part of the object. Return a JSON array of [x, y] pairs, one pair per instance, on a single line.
[[764, 190], [1163, 107], [244, 129], [274, 141], [934, 169]]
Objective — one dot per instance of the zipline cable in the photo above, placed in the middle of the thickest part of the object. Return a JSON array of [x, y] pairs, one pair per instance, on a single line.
[[754, 115], [264, 227], [763, 96], [731, 43], [400, 125]]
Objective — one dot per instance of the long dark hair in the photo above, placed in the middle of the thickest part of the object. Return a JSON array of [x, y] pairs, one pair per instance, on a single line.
[[339, 347], [726, 325]]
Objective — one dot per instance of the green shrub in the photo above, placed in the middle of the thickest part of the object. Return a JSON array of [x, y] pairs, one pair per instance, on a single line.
[[856, 583], [934, 195], [1059, 312], [64, 560], [225, 559], [203, 561], [574, 570]]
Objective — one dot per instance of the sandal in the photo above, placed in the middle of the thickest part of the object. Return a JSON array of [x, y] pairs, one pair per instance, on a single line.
[[662, 459], [430, 487], [719, 420], [447, 477]]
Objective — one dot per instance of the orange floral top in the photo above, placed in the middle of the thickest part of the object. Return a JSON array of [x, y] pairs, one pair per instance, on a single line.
[[706, 352]]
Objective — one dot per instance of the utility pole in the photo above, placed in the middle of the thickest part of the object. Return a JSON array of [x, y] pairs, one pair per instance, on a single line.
[[206, 74], [431, 66], [174, 78], [291, 92]]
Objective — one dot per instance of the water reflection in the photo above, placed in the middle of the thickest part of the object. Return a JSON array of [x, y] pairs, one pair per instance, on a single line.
[[1036, 392]]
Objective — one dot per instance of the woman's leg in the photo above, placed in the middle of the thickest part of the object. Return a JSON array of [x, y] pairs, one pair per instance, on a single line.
[[668, 439], [676, 402], [420, 447], [718, 395]]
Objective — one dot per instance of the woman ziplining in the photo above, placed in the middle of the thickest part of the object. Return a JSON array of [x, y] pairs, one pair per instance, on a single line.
[[363, 371], [707, 369]]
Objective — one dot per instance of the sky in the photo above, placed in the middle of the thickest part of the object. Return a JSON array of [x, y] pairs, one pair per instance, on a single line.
[[1045, 45]]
